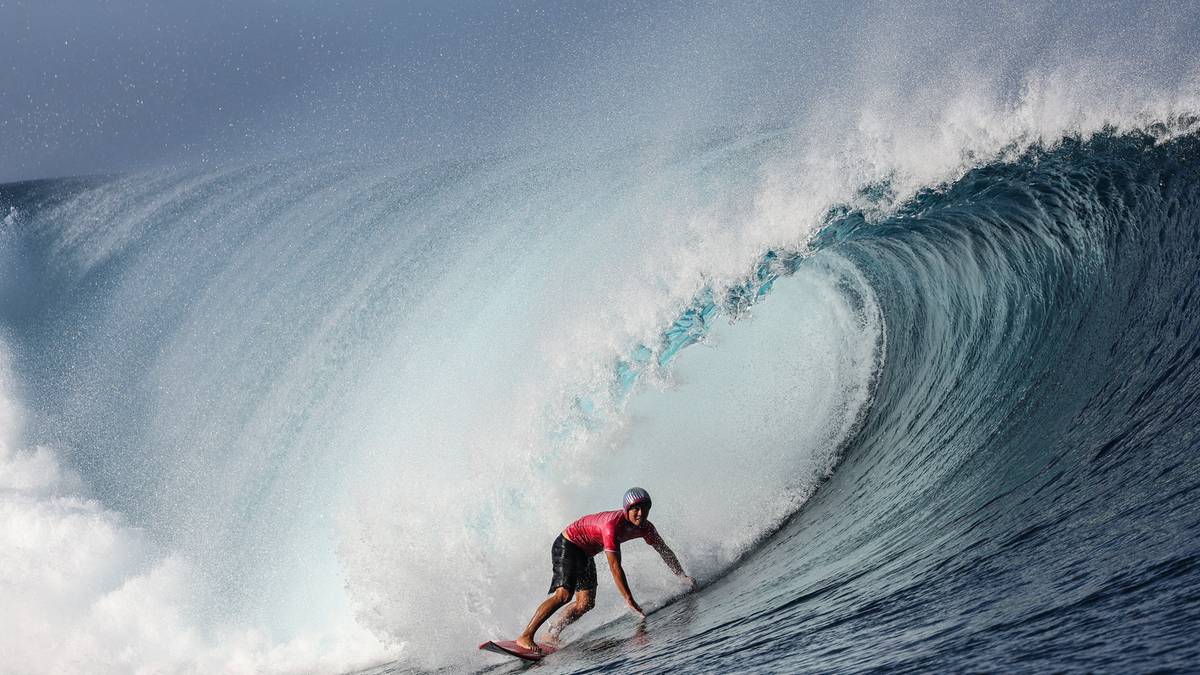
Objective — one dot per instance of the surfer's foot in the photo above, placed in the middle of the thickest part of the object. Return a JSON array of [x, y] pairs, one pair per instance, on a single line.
[[528, 643]]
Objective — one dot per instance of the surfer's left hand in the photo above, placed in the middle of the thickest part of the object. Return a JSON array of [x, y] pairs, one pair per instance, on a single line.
[[691, 583]]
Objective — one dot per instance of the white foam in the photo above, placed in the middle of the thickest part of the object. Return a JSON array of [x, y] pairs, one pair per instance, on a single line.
[[85, 592]]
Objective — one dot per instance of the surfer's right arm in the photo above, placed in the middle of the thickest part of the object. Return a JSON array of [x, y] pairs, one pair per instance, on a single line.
[[618, 572]]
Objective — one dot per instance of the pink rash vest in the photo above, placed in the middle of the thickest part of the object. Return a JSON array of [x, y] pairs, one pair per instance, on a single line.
[[606, 531]]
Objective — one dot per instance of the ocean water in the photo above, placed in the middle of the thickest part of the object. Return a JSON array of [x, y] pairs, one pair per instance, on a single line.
[[911, 393]]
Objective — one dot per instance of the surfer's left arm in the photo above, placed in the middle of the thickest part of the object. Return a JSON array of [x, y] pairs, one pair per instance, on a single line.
[[668, 556]]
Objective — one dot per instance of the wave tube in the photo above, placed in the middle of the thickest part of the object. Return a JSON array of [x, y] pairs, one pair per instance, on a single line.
[[1021, 490]]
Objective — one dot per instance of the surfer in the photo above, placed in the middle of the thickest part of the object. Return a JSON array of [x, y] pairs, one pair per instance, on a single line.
[[575, 568]]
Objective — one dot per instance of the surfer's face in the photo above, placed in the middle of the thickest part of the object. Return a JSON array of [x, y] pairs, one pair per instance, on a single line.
[[637, 513]]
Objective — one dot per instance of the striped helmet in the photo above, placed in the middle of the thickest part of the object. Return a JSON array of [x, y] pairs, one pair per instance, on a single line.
[[636, 496]]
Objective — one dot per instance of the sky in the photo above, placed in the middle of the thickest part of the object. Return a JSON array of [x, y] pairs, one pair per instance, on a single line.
[[92, 86], [104, 85]]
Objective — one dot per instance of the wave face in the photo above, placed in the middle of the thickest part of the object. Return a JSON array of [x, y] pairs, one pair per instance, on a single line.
[[315, 413]]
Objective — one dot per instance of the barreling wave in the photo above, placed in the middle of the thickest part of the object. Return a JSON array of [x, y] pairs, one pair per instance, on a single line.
[[1022, 490], [947, 424]]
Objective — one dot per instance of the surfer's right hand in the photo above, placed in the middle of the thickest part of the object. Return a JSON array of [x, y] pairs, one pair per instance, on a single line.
[[633, 607]]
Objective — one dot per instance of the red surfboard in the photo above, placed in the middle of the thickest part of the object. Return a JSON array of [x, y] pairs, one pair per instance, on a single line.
[[511, 648]]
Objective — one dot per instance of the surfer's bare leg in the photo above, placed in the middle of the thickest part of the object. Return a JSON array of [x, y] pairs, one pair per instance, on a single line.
[[549, 606], [584, 600]]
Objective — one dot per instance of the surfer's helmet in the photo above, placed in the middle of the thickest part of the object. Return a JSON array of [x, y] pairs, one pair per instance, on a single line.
[[635, 496]]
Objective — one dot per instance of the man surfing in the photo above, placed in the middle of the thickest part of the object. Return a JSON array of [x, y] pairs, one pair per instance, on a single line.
[[575, 569]]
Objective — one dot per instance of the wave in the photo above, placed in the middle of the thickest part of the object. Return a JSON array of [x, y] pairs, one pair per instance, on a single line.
[[1021, 489], [924, 401]]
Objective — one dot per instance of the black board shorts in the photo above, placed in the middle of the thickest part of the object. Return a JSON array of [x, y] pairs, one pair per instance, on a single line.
[[574, 570]]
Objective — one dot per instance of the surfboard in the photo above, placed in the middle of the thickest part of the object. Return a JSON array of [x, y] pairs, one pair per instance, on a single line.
[[511, 648]]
